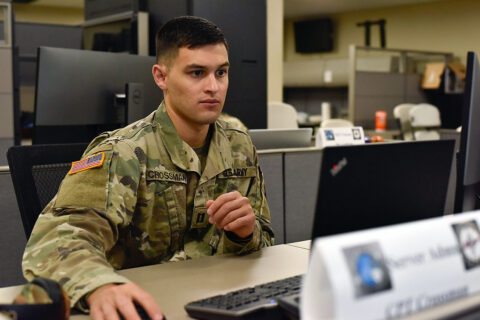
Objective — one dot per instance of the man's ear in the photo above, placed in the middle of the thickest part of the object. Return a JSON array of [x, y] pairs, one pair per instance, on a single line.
[[159, 72]]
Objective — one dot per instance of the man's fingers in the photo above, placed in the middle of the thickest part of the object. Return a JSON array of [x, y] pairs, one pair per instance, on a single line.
[[108, 301], [96, 314], [227, 207], [151, 307], [127, 309], [226, 197], [209, 203], [231, 216], [109, 312], [240, 223]]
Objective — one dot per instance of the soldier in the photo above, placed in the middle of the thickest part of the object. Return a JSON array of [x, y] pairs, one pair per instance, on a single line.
[[177, 184]]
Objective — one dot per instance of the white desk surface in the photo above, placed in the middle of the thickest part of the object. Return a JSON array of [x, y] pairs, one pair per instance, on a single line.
[[175, 284], [301, 244]]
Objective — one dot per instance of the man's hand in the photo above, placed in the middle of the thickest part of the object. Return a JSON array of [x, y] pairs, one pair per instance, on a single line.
[[109, 300], [232, 212]]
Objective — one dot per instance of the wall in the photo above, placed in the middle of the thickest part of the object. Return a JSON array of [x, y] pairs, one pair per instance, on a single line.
[[72, 15], [274, 50], [449, 25], [6, 79]]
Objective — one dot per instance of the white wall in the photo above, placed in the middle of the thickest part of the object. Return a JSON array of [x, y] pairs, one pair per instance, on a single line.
[[275, 50], [449, 25]]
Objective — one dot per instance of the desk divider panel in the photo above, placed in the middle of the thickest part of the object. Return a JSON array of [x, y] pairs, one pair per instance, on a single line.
[[302, 171], [271, 165]]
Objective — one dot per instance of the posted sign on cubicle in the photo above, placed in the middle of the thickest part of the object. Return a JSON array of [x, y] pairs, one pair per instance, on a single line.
[[395, 271], [328, 137]]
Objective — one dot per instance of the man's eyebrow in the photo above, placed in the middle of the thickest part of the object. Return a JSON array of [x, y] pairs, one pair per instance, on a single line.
[[198, 66]]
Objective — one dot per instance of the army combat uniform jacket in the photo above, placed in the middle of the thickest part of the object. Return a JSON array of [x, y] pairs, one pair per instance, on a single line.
[[137, 198]]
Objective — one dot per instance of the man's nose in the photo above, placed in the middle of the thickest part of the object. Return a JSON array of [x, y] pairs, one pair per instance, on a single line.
[[211, 83]]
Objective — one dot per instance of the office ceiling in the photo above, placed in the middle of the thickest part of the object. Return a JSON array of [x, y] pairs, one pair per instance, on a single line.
[[310, 8]]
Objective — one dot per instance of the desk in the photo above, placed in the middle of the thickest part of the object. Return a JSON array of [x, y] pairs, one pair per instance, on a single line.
[[175, 284], [301, 244]]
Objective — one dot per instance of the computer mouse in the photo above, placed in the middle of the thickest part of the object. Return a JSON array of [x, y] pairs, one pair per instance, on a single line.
[[142, 313]]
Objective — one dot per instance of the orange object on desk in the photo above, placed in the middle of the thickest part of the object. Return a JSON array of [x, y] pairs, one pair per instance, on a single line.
[[376, 139], [380, 120]]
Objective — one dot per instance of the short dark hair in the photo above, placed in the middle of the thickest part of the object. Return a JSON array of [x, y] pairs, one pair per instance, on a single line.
[[186, 31]]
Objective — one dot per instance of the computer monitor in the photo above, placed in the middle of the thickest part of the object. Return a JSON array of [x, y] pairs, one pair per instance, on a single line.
[[468, 158], [76, 92], [374, 185]]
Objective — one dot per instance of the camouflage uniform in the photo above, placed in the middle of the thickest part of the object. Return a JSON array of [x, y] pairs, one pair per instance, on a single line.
[[145, 204], [233, 122]]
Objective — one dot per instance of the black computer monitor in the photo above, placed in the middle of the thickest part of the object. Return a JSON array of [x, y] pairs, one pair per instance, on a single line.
[[76, 92], [468, 157], [374, 185]]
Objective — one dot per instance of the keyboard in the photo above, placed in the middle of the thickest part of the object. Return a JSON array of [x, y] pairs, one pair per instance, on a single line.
[[258, 302]]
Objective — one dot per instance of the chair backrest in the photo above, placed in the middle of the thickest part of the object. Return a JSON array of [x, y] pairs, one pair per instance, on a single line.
[[425, 120], [336, 123], [281, 116], [401, 113], [37, 172]]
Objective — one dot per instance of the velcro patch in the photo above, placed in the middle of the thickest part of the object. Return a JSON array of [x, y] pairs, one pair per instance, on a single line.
[[165, 175], [91, 162], [239, 172]]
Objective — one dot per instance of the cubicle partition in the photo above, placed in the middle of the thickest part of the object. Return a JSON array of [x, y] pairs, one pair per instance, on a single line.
[[396, 79], [291, 183], [272, 168], [302, 171]]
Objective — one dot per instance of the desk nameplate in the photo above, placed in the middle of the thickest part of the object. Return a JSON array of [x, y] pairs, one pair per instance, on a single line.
[[395, 271]]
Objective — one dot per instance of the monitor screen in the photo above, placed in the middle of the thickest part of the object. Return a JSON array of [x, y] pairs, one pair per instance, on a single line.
[[468, 158], [374, 185], [313, 36], [76, 90]]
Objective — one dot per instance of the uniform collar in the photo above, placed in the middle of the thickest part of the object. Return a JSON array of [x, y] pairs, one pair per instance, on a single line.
[[183, 156]]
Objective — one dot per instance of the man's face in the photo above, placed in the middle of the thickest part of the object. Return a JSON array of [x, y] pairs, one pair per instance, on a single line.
[[195, 84]]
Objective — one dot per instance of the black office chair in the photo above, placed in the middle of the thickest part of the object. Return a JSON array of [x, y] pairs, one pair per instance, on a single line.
[[37, 172]]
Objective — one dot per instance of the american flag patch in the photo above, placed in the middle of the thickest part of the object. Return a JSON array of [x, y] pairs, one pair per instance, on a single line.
[[91, 162]]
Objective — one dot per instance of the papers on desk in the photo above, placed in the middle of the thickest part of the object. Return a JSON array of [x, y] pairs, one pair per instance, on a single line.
[[395, 271]]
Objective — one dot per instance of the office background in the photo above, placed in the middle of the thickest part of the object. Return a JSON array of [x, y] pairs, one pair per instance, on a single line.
[[443, 25]]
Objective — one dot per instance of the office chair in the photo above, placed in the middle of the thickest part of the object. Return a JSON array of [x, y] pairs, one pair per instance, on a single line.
[[336, 123], [425, 121], [37, 172], [401, 113], [281, 116]]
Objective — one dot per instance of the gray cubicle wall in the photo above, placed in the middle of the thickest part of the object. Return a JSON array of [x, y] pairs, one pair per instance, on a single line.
[[383, 91], [271, 165], [301, 174], [12, 236]]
